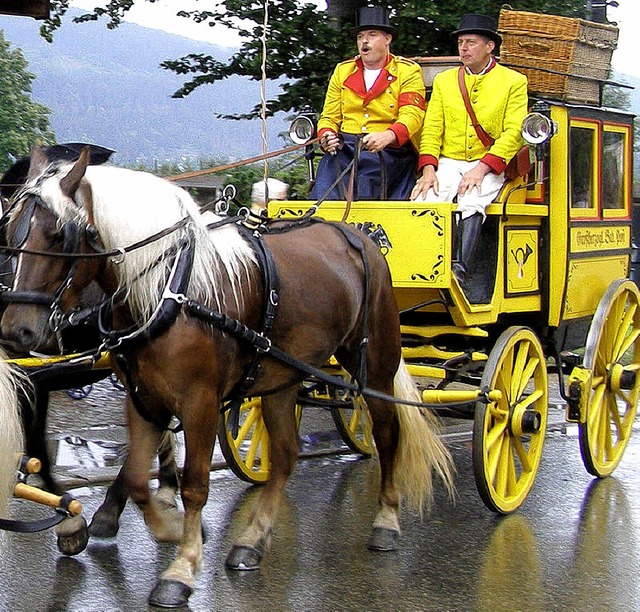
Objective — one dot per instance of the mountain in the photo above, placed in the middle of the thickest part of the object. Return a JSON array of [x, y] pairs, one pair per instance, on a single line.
[[106, 87]]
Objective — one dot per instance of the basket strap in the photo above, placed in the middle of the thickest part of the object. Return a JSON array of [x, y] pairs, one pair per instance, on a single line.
[[485, 138]]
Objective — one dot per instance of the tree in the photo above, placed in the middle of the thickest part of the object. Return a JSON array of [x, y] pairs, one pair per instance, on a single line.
[[305, 43], [22, 121]]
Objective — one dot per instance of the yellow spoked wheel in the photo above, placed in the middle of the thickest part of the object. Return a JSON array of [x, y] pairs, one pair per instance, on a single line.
[[354, 425], [245, 442], [508, 434], [612, 353]]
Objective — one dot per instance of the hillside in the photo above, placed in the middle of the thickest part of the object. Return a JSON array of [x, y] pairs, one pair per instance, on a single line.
[[106, 86]]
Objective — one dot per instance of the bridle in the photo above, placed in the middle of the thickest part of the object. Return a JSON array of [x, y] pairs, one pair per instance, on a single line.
[[71, 240]]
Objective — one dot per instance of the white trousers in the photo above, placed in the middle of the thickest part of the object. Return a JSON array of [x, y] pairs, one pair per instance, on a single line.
[[449, 174]]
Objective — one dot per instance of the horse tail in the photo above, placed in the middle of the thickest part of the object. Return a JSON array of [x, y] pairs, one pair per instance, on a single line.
[[11, 434], [420, 449]]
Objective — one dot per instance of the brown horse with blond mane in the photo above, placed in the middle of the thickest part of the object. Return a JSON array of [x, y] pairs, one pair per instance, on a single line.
[[163, 262]]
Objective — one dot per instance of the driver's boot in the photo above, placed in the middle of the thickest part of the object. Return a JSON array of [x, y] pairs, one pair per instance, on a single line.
[[469, 235]]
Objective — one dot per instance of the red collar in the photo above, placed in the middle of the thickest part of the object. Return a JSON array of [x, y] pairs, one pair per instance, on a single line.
[[355, 82]]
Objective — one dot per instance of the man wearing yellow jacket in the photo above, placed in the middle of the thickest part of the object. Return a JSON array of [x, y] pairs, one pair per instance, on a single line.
[[374, 102], [453, 160]]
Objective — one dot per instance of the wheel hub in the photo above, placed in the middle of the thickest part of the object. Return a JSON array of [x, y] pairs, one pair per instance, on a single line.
[[621, 378], [524, 421]]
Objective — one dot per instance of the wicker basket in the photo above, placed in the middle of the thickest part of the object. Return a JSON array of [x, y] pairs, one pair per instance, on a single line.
[[563, 57]]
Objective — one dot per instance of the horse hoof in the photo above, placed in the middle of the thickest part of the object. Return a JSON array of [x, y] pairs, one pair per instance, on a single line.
[[101, 528], [73, 535], [384, 539], [170, 594], [244, 558]]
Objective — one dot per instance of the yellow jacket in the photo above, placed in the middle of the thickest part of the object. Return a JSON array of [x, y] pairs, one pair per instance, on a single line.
[[499, 100], [396, 101]]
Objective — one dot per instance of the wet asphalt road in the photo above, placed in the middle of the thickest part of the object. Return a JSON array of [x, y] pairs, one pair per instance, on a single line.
[[574, 545]]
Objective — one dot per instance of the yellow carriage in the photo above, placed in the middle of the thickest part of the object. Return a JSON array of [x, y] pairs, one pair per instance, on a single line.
[[549, 294]]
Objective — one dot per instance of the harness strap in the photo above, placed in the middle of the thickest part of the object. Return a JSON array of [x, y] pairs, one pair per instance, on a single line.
[[356, 242], [271, 289], [264, 345], [32, 526], [166, 312]]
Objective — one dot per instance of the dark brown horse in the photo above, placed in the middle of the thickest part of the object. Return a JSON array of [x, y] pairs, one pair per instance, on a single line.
[[178, 360]]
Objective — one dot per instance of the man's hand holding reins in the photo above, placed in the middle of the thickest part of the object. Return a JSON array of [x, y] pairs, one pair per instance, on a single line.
[[377, 141], [330, 142]]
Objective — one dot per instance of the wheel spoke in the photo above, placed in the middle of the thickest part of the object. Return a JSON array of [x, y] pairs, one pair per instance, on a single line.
[[254, 445], [615, 415], [512, 475], [496, 433], [527, 375], [493, 459], [595, 407], [503, 468], [251, 417], [629, 341], [623, 330], [502, 384], [523, 455], [530, 400], [518, 368], [604, 432]]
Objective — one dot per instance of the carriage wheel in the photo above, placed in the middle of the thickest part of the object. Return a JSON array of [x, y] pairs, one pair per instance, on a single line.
[[354, 425], [612, 353], [508, 434], [247, 452]]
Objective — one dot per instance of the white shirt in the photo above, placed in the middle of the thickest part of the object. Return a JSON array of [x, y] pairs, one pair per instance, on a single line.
[[370, 77]]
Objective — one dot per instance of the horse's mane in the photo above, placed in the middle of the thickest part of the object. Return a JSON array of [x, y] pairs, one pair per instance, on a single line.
[[127, 206]]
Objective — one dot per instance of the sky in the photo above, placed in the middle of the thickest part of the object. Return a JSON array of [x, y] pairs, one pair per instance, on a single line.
[[162, 15]]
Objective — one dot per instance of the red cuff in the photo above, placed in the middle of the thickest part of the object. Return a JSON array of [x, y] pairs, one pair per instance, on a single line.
[[427, 160], [401, 132], [323, 131], [497, 164]]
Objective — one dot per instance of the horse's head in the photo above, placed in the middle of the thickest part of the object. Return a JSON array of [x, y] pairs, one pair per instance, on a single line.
[[45, 227]]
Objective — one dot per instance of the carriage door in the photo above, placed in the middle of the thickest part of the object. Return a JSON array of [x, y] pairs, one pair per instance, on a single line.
[[599, 208]]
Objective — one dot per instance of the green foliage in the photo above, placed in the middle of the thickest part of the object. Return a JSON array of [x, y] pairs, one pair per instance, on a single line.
[[291, 169], [618, 97], [305, 43], [23, 123]]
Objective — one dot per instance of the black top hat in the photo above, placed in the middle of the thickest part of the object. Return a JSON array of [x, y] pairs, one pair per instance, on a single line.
[[472, 23], [373, 18]]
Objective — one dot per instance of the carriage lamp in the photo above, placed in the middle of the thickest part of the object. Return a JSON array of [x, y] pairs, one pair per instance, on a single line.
[[303, 127], [537, 128], [303, 131]]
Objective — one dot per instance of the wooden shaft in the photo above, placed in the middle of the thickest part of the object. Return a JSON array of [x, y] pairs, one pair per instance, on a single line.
[[33, 465], [25, 491], [28, 465]]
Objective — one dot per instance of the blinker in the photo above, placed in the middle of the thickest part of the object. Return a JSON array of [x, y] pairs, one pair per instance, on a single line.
[[23, 224]]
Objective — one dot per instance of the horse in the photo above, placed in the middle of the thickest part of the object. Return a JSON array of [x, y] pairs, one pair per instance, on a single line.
[[70, 339], [195, 319]]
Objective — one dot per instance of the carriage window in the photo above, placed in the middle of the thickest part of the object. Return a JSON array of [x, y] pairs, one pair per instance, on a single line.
[[615, 170], [583, 161]]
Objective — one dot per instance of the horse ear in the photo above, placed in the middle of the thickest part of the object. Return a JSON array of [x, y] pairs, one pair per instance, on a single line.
[[70, 183], [38, 162]]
